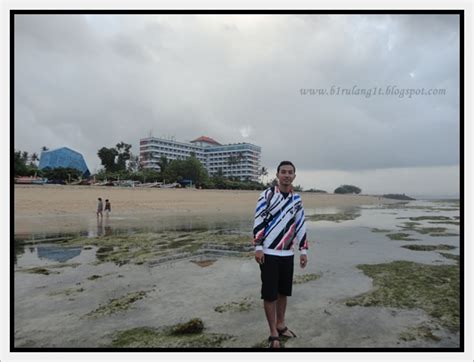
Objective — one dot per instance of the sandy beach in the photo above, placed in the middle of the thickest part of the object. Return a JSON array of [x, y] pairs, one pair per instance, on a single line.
[[381, 274], [42, 208]]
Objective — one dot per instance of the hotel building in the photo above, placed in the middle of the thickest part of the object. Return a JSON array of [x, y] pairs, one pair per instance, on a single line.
[[241, 160]]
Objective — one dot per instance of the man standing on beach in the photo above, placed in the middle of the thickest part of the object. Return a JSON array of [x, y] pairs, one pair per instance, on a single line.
[[279, 224], [100, 207], [107, 208]]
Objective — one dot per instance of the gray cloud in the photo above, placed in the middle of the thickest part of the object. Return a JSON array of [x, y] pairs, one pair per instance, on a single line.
[[90, 81]]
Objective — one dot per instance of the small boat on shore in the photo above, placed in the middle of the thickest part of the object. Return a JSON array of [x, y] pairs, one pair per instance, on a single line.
[[30, 180], [149, 184], [104, 183], [170, 186], [126, 183]]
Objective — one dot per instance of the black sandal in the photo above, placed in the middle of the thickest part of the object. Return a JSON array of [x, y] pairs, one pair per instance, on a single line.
[[283, 330], [272, 340]]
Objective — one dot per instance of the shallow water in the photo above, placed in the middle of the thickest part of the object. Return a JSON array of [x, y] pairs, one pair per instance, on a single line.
[[51, 310]]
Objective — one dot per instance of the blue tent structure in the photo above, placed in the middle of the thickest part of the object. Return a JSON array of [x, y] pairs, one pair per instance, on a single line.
[[64, 157]]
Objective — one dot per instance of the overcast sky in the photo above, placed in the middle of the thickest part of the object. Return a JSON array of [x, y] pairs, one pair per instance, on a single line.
[[86, 82]]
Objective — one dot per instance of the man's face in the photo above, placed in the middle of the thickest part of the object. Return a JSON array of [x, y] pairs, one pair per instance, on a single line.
[[286, 175]]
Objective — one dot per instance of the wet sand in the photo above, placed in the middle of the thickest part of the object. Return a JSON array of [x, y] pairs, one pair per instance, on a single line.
[[51, 208], [52, 310]]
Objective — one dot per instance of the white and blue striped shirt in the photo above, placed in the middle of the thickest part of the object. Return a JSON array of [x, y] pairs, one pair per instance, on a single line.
[[279, 223]]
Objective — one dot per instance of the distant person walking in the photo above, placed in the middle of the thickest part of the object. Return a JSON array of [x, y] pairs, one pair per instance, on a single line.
[[107, 208], [100, 207]]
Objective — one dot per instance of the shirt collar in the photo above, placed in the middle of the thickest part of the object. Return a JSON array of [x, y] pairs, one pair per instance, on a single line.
[[277, 189]]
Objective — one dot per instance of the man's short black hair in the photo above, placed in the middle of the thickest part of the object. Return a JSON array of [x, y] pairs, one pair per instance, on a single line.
[[285, 163]]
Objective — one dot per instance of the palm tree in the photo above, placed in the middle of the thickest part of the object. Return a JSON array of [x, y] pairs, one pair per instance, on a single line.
[[163, 163], [34, 157], [263, 172]]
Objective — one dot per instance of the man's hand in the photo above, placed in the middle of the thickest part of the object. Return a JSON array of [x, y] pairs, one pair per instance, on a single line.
[[259, 256], [303, 260]]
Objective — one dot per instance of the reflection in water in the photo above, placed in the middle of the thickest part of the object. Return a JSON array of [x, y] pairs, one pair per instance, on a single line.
[[99, 226], [19, 249], [57, 253], [103, 228], [110, 226]]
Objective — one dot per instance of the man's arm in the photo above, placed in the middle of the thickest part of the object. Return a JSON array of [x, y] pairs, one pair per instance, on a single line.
[[259, 226], [301, 235]]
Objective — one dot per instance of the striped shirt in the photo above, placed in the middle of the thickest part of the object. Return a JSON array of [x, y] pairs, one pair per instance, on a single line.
[[280, 225]]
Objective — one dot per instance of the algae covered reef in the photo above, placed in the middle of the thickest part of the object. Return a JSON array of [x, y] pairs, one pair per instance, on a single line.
[[117, 305], [428, 247], [401, 236], [405, 284], [183, 335], [336, 217], [441, 206], [47, 269], [423, 330], [158, 247], [432, 231], [305, 278], [241, 306]]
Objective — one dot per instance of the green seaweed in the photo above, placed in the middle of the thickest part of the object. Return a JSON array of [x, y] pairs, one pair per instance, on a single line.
[[445, 222], [94, 277], [429, 247], [423, 331], [432, 231], [305, 278], [337, 217], [38, 270], [192, 326], [405, 284], [242, 306], [410, 225], [117, 305], [404, 206], [430, 217], [443, 234], [67, 292], [147, 247], [193, 247], [265, 343], [450, 256], [400, 236], [63, 265], [170, 337], [377, 230]]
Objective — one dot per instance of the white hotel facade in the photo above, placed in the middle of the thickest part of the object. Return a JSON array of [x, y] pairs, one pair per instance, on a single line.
[[241, 160]]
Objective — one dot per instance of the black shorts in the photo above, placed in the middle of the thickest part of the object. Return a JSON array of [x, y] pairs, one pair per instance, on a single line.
[[277, 276]]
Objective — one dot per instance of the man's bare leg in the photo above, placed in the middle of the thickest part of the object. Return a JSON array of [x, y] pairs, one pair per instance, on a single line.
[[280, 311], [270, 313]]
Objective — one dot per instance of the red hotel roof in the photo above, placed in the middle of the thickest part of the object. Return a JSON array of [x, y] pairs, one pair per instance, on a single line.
[[206, 139]]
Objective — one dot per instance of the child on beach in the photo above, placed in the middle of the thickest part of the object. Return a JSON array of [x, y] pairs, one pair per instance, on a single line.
[[107, 207]]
